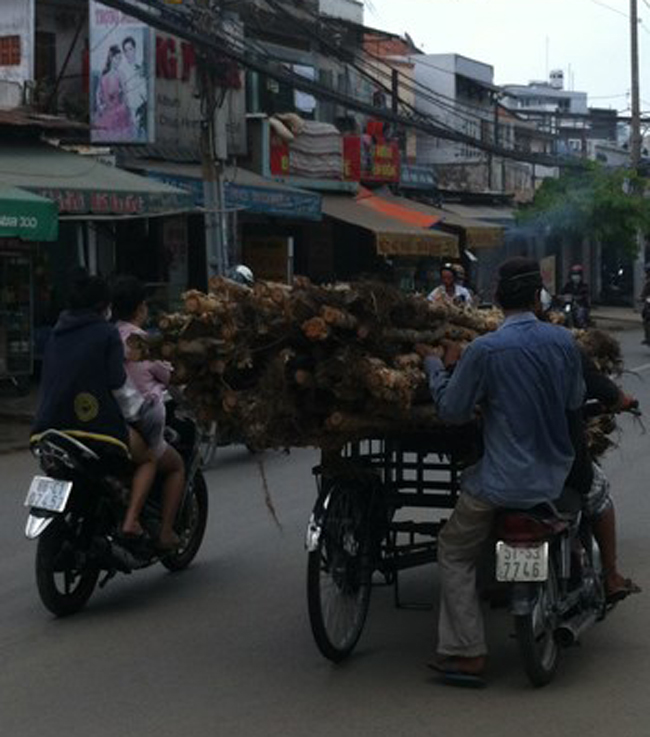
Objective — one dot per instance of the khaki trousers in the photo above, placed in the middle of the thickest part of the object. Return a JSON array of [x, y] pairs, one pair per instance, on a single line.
[[460, 543]]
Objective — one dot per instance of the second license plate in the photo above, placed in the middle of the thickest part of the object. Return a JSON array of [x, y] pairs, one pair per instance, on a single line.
[[49, 494], [529, 563]]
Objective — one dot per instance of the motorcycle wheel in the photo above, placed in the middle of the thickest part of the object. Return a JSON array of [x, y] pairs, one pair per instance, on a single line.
[[65, 577], [208, 444], [339, 574], [536, 634], [191, 526]]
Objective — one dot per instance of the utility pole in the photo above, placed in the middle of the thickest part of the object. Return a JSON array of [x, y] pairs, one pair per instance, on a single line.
[[635, 135], [212, 189], [635, 123]]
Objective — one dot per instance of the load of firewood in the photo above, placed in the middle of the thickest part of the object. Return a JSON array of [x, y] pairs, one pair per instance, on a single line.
[[282, 366]]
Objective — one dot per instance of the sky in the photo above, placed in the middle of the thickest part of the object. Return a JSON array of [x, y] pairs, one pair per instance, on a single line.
[[524, 39]]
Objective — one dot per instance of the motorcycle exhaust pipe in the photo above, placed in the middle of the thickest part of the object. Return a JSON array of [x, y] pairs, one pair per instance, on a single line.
[[568, 633]]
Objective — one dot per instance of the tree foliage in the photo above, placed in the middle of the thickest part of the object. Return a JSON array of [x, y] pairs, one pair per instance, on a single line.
[[607, 205]]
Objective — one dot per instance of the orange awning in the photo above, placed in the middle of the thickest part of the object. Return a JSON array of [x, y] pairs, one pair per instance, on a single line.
[[396, 211]]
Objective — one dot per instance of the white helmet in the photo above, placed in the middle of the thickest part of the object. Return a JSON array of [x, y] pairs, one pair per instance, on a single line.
[[242, 275]]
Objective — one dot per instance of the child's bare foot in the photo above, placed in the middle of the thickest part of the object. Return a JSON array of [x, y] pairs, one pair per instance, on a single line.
[[168, 541]]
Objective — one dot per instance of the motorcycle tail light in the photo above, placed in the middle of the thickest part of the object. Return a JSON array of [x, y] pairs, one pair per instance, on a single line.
[[521, 528]]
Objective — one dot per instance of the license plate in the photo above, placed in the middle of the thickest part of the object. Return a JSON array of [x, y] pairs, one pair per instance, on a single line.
[[49, 494], [522, 563]]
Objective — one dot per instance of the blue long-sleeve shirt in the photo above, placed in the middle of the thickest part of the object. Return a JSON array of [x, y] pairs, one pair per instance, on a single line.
[[525, 377]]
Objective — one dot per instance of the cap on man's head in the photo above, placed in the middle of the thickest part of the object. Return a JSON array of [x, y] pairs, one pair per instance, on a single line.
[[520, 279]]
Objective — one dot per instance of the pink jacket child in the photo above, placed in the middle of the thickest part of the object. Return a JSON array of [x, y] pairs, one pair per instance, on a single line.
[[150, 378]]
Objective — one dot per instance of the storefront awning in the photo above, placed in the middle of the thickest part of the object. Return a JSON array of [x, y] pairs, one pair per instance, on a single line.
[[393, 237], [84, 186], [244, 190], [27, 216], [493, 214], [476, 234]]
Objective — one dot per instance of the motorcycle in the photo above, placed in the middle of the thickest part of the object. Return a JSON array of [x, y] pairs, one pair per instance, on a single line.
[[575, 314], [76, 508], [551, 561]]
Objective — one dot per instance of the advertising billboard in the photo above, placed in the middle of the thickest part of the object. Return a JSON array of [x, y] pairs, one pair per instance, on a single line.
[[121, 77]]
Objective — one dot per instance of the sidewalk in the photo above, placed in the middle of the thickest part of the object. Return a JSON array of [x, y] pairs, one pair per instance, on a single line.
[[616, 318], [16, 415]]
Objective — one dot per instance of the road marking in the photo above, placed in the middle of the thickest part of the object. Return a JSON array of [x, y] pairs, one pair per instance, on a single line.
[[638, 369]]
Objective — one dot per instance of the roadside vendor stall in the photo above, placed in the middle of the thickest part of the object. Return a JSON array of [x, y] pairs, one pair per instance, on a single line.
[[25, 219]]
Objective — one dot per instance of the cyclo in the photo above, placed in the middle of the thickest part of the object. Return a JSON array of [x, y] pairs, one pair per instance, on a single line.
[[360, 523], [381, 504]]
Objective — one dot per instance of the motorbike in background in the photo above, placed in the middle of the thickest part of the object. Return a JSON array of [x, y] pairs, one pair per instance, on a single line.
[[576, 315], [76, 509]]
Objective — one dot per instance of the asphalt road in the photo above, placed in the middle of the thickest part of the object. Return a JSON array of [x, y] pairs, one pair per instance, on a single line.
[[225, 647]]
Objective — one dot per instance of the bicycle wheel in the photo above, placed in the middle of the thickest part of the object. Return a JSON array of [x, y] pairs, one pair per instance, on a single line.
[[339, 573]]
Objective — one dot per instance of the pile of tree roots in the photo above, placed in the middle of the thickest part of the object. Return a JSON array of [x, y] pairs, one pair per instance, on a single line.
[[280, 366]]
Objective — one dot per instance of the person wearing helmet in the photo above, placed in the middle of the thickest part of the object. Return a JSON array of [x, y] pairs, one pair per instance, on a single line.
[[450, 290], [241, 274], [645, 305], [577, 289]]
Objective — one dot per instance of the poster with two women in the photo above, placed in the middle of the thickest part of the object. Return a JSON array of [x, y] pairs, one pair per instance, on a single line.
[[122, 73]]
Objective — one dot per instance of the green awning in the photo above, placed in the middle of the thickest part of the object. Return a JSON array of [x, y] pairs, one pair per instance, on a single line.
[[27, 216], [83, 186]]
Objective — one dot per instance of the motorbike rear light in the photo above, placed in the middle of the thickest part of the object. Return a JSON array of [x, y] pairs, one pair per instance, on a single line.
[[522, 528]]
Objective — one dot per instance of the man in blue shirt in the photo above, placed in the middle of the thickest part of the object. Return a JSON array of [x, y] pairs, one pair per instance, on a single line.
[[525, 377]]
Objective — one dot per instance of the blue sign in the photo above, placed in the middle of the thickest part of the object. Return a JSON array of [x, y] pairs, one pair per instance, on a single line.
[[278, 202], [418, 176]]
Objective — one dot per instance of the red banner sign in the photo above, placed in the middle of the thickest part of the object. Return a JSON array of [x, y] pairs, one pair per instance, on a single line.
[[279, 157], [367, 161]]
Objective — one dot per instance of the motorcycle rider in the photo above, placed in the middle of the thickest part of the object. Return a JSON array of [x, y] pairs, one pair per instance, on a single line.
[[645, 305], [450, 290], [578, 289], [84, 389], [588, 478], [526, 375], [150, 378]]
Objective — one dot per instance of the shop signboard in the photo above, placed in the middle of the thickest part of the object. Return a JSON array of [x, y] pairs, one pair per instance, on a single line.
[[26, 216], [367, 161], [16, 50], [178, 98], [249, 198], [121, 79], [547, 266], [99, 202]]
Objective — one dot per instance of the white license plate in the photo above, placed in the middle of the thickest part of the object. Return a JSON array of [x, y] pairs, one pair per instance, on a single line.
[[522, 563], [49, 494]]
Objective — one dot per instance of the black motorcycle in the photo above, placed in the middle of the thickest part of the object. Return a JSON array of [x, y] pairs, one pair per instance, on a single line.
[[76, 510]]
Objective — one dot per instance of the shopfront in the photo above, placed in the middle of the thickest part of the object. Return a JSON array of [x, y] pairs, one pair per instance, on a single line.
[[103, 214], [25, 220], [266, 221], [369, 241]]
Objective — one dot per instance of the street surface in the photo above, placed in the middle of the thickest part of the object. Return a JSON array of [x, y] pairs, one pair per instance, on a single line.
[[225, 647]]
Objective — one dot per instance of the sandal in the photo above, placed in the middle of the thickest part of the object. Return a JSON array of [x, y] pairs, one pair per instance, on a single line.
[[453, 674], [622, 592]]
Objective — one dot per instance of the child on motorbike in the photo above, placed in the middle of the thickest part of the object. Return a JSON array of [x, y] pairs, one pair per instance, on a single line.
[[151, 378]]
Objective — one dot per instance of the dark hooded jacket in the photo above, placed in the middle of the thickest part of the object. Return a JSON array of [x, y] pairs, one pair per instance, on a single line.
[[82, 365]]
